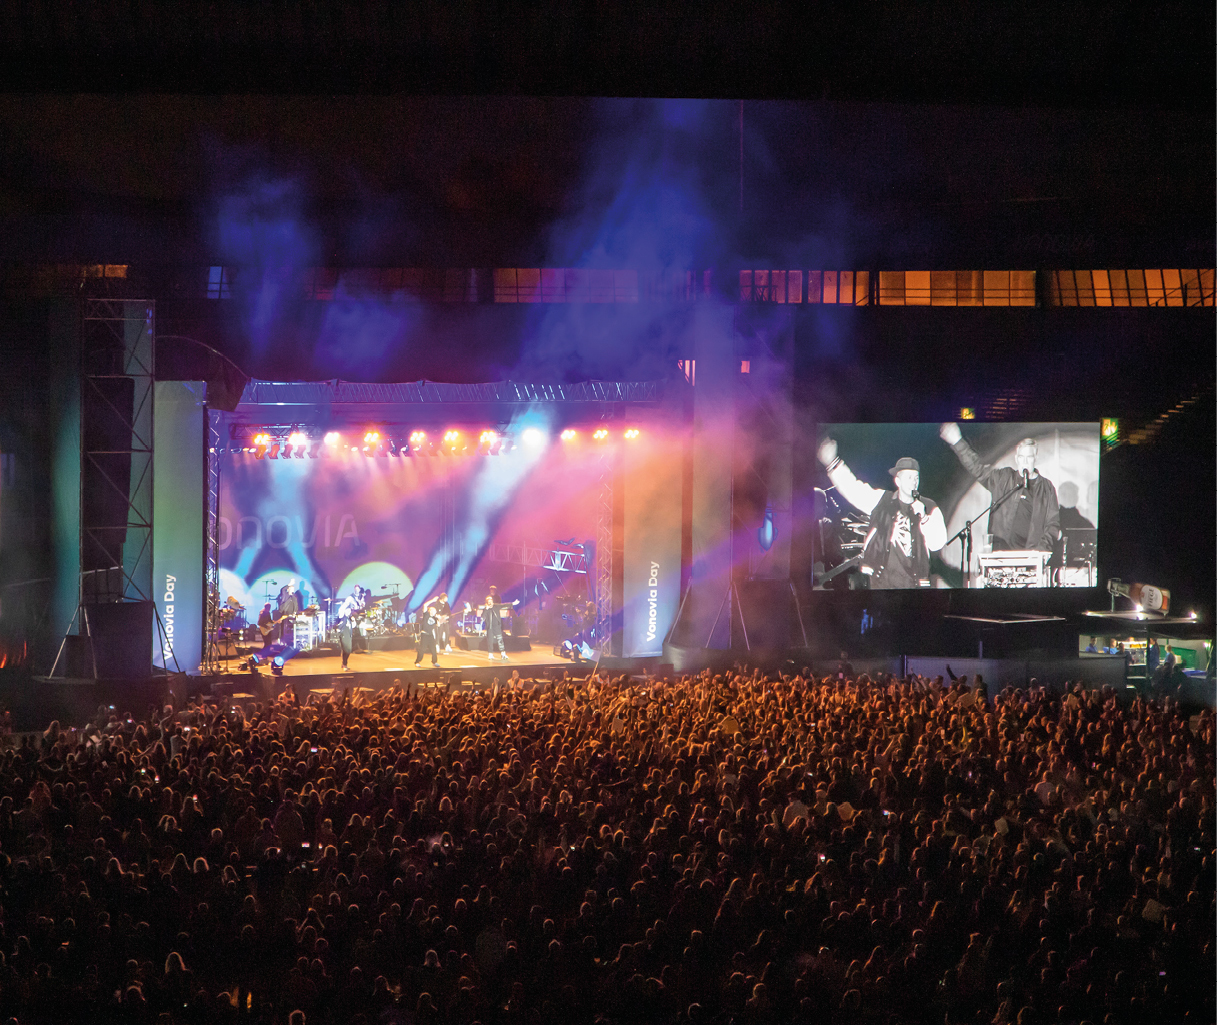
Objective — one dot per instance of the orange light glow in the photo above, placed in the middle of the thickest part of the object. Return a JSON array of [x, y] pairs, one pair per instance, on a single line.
[[632, 433], [569, 434]]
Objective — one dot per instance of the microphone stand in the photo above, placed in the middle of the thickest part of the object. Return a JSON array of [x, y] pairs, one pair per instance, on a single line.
[[964, 535]]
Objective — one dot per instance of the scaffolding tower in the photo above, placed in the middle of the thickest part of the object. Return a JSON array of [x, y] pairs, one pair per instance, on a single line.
[[117, 363]]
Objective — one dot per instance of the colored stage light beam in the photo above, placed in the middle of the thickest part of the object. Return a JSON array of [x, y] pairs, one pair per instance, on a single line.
[[261, 442], [631, 433], [570, 434], [418, 441], [600, 433], [491, 493], [296, 442], [489, 442]]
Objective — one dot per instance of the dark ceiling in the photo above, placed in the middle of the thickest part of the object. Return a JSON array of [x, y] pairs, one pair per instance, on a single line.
[[1052, 54]]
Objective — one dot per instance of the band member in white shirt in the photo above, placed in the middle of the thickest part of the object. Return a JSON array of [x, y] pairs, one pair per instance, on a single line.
[[351, 605]]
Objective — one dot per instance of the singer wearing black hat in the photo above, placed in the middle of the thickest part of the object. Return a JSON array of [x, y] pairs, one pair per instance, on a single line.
[[1029, 520], [905, 526]]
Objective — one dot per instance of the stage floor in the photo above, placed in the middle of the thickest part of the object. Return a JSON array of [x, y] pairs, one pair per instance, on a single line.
[[402, 660]]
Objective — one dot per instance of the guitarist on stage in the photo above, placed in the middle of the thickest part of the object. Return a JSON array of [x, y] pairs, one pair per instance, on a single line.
[[268, 626], [351, 606], [443, 614], [285, 612]]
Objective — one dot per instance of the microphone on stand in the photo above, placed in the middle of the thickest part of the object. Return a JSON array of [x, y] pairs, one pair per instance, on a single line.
[[1026, 479]]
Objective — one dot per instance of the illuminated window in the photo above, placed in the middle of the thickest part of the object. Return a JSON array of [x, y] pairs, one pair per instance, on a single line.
[[505, 285], [916, 288], [830, 286], [1131, 287], [891, 288], [219, 283]]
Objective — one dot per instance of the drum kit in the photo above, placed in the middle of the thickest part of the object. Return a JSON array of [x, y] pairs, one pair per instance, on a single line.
[[381, 617]]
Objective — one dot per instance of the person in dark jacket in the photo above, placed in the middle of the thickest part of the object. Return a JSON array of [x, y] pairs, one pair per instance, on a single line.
[[905, 526], [1026, 515]]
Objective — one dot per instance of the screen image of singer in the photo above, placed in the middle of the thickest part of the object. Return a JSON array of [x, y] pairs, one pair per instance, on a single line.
[[996, 505]]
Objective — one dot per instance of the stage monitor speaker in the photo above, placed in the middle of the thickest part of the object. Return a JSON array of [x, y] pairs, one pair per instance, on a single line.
[[122, 639]]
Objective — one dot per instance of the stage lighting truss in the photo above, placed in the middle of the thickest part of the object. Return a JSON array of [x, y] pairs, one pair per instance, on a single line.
[[296, 440]]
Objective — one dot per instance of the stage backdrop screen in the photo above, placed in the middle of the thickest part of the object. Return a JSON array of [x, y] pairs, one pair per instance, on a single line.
[[525, 519], [957, 505]]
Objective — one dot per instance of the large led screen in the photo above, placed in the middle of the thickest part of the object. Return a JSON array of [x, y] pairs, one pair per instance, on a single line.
[[524, 514], [408, 526], [996, 505]]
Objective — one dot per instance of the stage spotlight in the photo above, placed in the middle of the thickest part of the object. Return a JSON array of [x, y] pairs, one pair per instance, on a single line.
[[631, 433], [489, 442], [276, 665], [418, 439], [452, 441], [533, 436], [600, 433], [569, 434], [332, 437], [261, 441], [296, 441], [314, 448], [274, 449]]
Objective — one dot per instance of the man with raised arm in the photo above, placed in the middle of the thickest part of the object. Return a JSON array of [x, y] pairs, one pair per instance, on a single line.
[[1025, 516], [904, 527]]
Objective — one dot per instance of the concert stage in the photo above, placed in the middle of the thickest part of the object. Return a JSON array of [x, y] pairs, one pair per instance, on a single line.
[[380, 670], [402, 661]]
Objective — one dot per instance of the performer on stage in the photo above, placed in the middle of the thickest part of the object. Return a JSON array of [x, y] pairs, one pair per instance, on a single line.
[[428, 629], [285, 612], [492, 616], [350, 607], [1028, 520], [905, 526], [443, 614], [268, 626]]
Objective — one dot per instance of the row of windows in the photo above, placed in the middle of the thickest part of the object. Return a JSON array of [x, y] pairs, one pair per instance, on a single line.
[[890, 288], [1155, 287]]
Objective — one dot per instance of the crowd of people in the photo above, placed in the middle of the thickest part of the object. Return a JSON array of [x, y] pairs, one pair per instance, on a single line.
[[732, 847]]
